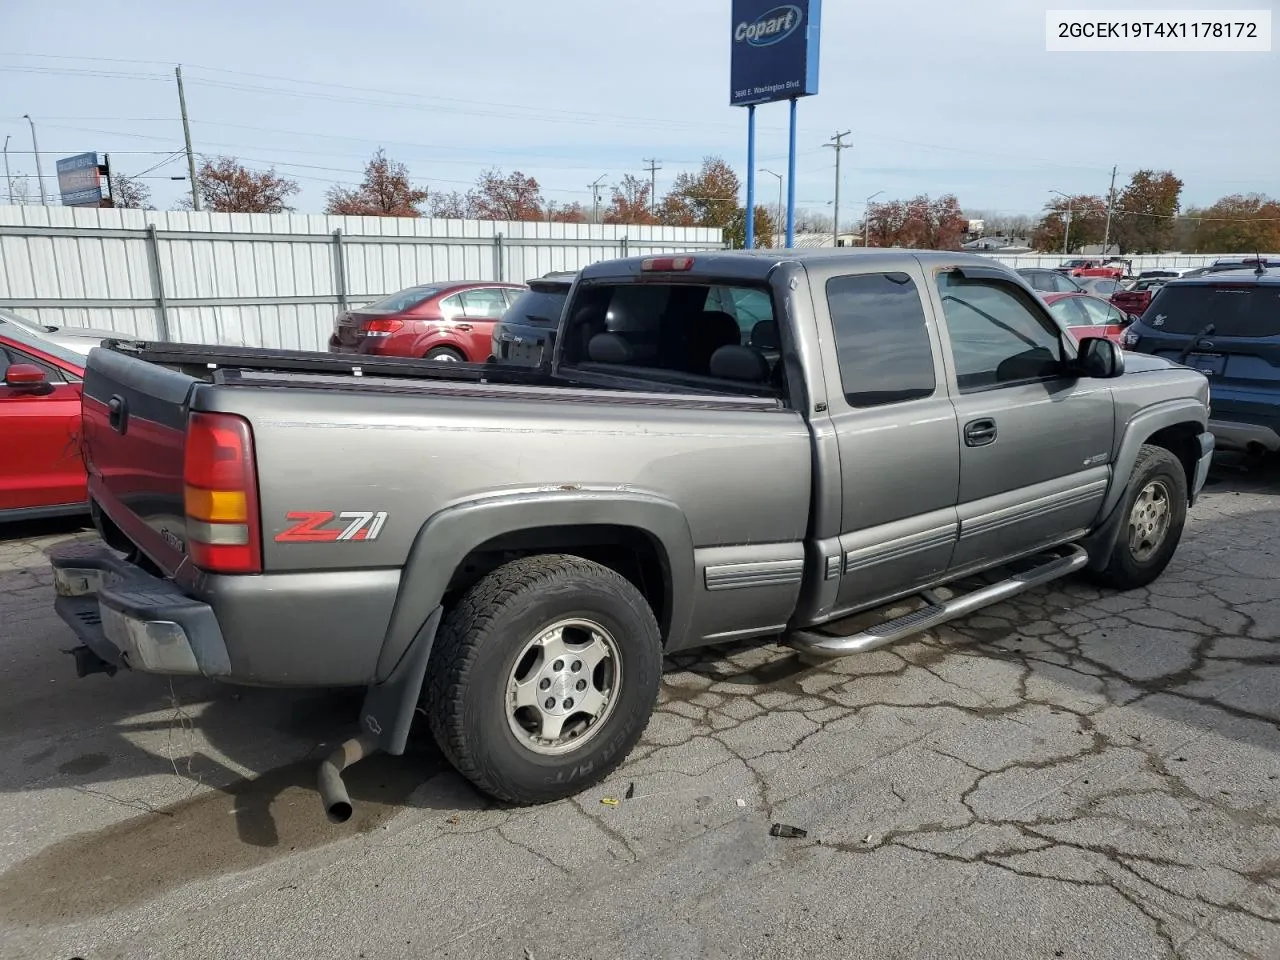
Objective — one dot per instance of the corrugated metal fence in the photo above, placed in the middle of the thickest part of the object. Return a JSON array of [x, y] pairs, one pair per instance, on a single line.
[[1140, 262], [273, 280]]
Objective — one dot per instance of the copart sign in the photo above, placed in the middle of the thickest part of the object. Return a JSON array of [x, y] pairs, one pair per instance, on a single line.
[[775, 50]]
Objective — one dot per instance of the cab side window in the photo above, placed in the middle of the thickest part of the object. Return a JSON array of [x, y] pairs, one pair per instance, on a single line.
[[882, 340]]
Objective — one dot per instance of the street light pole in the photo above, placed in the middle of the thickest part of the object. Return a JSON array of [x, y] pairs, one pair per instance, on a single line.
[[39, 170], [866, 218], [1066, 227], [778, 222]]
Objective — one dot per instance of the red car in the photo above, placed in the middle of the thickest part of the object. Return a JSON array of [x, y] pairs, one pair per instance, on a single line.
[[439, 321], [41, 472], [1137, 298], [1087, 316]]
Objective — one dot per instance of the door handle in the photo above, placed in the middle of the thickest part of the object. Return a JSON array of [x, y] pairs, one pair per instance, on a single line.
[[464, 326], [979, 433]]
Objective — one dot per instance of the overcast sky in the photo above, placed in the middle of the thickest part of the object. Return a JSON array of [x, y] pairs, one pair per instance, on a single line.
[[940, 95]]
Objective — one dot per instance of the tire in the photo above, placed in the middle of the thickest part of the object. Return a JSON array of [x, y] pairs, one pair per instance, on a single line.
[[498, 635], [1137, 559], [446, 354]]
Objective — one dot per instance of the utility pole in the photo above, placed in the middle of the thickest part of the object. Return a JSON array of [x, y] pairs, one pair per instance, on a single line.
[[594, 186], [653, 169], [1066, 228], [186, 135], [8, 177], [39, 170], [866, 218], [837, 143], [595, 198], [1111, 199]]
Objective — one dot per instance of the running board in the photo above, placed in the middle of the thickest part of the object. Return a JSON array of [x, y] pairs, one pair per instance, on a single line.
[[891, 631]]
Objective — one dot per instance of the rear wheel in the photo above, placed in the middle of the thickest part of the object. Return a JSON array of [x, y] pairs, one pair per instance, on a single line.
[[1154, 511], [446, 354], [543, 678]]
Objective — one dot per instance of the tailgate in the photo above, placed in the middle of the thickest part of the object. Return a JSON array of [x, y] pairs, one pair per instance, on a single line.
[[135, 416]]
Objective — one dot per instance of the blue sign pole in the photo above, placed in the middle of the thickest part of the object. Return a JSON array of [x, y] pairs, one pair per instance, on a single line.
[[791, 180], [750, 240]]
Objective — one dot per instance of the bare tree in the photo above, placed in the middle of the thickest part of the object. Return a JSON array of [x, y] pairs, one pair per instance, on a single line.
[[131, 194], [385, 192], [228, 186]]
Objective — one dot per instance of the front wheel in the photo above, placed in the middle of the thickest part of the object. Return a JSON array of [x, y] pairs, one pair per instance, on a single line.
[[1154, 511], [543, 678]]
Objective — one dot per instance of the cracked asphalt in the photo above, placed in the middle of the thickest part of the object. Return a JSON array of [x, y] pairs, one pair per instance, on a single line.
[[1072, 774]]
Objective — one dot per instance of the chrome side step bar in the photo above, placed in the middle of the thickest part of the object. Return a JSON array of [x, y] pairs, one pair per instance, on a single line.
[[938, 611]]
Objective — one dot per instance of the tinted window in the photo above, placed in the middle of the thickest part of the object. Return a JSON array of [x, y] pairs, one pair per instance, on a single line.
[[1237, 310], [537, 308], [1064, 284], [9, 356], [401, 300], [996, 338], [1041, 280], [882, 343], [486, 303], [1099, 314]]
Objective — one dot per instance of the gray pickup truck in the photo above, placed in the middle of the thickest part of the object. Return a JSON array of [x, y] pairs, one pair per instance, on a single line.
[[826, 447]]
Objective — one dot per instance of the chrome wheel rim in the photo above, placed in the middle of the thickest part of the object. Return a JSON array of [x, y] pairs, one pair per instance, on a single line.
[[445, 358], [1149, 520], [563, 686]]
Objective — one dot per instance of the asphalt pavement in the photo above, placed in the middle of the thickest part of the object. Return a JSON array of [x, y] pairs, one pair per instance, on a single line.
[[1074, 774]]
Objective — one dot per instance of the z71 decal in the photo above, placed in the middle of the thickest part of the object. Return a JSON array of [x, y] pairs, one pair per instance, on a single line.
[[312, 526]]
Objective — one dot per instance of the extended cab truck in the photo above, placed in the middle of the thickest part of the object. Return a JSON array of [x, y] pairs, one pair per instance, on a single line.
[[514, 549]]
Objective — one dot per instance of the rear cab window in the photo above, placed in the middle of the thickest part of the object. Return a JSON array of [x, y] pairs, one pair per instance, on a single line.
[[721, 337], [538, 307]]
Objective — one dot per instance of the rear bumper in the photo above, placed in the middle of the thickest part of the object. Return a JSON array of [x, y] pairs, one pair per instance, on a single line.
[[132, 619], [1207, 445]]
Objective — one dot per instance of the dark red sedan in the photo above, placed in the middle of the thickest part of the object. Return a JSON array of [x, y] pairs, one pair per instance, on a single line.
[[1137, 298], [1087, 316], [439, 321], [41, 472]]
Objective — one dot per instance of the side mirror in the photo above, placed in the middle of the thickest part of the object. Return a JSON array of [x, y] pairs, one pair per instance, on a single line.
[[1131, 319], [1099, 358], [25, 376]]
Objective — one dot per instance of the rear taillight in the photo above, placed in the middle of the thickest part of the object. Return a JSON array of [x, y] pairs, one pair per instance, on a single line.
[[221, 494], [380, 328]]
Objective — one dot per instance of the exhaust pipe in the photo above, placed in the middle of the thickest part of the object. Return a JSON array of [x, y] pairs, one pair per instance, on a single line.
[[333, 792]]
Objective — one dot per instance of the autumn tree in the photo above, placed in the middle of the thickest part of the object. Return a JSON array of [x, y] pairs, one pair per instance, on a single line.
[[129, 193], [227, 186], [735, 232], [631, 202], [813, 221], [1240, 223], [566, 213], [1088, 222], [708, 198], [507, 197], [921, 223], [1144, 212], [453, 205], [385, 192]]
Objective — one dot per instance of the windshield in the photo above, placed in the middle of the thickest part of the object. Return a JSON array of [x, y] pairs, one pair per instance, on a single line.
[[1235, 310], [537, 308], [402, 300]]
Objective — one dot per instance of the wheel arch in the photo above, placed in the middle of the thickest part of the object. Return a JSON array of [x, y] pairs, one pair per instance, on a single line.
[[642, 536], [1174, 425]]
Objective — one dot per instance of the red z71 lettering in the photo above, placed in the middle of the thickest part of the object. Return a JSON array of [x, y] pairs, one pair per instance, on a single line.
[[309, 526]]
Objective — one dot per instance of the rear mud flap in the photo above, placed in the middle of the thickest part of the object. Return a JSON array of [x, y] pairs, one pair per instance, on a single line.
[[388, 709]]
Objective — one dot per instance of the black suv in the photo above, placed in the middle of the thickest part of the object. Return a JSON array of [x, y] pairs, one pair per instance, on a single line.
[[527, 331], [1227, 326]]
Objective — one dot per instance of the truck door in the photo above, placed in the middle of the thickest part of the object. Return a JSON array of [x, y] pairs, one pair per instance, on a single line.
[[896, 433], [1035, 445]]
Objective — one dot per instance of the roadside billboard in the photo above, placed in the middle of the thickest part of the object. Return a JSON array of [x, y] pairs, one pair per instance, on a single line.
[[80, 180], [774, 53]]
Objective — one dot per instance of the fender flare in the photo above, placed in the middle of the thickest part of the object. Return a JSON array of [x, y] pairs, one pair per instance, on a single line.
[[448, 535], [1138, 431]]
